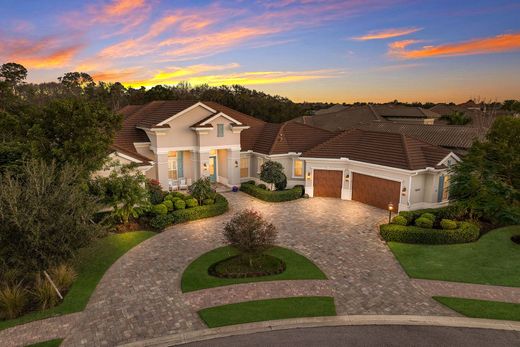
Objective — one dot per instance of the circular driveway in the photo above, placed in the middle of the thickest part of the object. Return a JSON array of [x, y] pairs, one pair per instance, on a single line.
[[140, 297]]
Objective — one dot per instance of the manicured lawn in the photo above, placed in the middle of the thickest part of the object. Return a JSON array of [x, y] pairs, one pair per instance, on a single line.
[[196, 275], [493, 259], [49, 343], [262, 310], [482, 308], [91, 264]]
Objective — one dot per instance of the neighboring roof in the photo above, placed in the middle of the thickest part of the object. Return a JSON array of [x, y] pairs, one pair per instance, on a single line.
[[332, 109], [341, 120], [387, 149], [479, 119], [450, 136], [289, 137], [470, 104], [402, 111]]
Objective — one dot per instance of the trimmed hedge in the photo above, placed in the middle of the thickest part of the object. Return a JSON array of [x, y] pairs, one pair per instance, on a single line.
[[272, 196], [220, 206], [399, 220], [424, 222], [466, 232], [453, 211], [448, 224], [180, 204]]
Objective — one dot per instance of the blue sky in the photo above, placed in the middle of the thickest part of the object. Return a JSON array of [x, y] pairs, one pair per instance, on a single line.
[[306, 50]]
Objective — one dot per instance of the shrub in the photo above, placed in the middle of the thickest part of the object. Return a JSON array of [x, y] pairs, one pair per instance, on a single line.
[[399, 220], [409, 215], [466, 232], [187, 197], [251, 182], [63, 276], [250, 233], [180, 204], [302, 187], [168, 197], [177, 195], [45, 216], [219, 207], [168, 204], [160, 222], [448, 224], [262, 186], [13, 300], [430, 216], [201, 189], [281, 185], [424, 222], [159, 209], [272, 196], [272, 172], [155, 192], [43, 292], [208, 202], [191, 203]]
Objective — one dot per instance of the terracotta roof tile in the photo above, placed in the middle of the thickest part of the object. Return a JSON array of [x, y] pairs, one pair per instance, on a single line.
[[388, 149]]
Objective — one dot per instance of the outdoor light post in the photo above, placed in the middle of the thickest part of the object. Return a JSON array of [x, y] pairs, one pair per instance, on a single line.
[[390, 209]]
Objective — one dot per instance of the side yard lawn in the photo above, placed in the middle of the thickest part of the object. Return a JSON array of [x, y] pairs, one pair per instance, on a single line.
[[91, 264], [482, 308], [493, 259]]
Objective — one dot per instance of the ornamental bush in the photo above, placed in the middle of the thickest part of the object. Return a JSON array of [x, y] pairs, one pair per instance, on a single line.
[[155, 192], [251, 182], [250, 233], [201, 189], [448, 224], [430, 216], [399, 220], [272, 172], [159, 209], [219, 207], [168, 204], [281, 185], [191, 203], [272, 196], [424, 222], [208, 202], [168, 197], [466, 232], [180, 204], [160, 222], [262, 186]]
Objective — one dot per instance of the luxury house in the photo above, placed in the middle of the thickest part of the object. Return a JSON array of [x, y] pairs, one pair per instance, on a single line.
[[176, 142]]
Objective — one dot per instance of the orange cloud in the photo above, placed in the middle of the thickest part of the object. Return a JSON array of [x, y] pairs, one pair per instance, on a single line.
[[116, 75], [122, 7], [385, 34], [54, 59], [496, 44]]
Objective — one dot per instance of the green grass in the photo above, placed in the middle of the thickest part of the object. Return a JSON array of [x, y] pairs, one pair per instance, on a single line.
[[262, 310], [49, 343], [493, 259], [482, 308], [91, 264], [196, 276]]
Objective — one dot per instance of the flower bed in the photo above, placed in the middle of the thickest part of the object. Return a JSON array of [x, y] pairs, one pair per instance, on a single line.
[[272, 196], [238, 267]]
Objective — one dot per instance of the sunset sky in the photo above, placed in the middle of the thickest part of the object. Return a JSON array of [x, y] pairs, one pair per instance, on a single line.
[[339, 51]]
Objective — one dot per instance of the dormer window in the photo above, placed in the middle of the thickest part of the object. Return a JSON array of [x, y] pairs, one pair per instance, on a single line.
[[220, 130]]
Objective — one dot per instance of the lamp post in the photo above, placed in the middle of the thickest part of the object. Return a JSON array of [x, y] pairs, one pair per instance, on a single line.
[[390, 209]]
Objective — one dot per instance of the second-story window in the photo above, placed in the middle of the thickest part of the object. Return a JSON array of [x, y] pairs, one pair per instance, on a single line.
[[220, 130]]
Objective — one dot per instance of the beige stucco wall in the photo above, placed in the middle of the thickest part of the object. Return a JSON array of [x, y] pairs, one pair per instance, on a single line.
[[212, 140], [179, 134]]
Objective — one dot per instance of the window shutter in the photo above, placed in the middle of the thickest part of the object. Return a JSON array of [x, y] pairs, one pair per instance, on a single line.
[[440, 190], [180, 160]]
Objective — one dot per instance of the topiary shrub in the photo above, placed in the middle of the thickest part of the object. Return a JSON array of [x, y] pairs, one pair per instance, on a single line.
[[160, 222], [409, 215], [187, 197], [180, 204], [208, 202], [430, 216], [168, 204], [399, 220], [448, 224], [466, 232], [168, 197], [190, 203], [155, 192], [159, 209], [219, 207], [273, 196], [177, 195], [281, 185], [262, 186], [424, 222]]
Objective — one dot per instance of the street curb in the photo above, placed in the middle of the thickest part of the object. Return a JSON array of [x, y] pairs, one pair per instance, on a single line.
[[314, 322]]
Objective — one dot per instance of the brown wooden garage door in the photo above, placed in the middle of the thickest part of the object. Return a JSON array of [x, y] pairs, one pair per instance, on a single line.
[[327, 183], [375, 191]]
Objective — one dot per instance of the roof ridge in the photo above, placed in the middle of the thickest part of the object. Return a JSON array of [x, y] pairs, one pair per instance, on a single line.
[[371, 108], [342, 133], [308, 126], [406, 151], [282, 126]]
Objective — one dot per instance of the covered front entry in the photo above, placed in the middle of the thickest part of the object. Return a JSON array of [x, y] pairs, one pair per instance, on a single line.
[[327, 183], [375, 191]]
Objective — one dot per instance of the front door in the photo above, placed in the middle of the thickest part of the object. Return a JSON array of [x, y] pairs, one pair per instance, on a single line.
[[213, 169]]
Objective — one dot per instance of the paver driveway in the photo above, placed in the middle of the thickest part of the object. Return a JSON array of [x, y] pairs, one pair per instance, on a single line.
[[140, 296]]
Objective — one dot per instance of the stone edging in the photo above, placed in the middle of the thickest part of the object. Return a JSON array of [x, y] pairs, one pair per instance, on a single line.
[[251, 328]]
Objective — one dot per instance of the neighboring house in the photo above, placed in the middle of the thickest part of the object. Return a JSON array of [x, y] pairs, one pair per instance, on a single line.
[[173, 140]]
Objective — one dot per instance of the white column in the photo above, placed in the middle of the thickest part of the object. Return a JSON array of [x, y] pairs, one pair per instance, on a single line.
[[162, 169], [195, 165]]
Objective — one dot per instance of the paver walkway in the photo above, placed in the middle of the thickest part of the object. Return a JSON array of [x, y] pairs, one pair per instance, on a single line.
[[139, 297], [469, 290]]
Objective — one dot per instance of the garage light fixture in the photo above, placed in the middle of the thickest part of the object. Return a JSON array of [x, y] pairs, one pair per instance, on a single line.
[[236, 163], [404, 191], [390, 209], [347, 177]]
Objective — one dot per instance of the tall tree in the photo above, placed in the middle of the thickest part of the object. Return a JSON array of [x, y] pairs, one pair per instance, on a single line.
[[487, 181], [13, 73], [76, 79]]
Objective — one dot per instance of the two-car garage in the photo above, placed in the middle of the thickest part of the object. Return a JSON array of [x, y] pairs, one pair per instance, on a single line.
[[367, 189]]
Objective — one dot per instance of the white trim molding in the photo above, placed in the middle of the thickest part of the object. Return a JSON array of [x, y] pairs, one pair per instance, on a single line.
[[178, 114], [220, 114]]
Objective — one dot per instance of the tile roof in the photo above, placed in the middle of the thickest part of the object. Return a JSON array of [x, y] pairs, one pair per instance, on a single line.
[[289, 137], [133, 154], [449, 136], [381, 148]]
